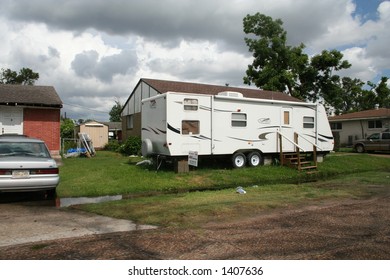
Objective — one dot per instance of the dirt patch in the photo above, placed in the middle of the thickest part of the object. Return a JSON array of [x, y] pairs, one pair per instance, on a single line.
[[347, 229]]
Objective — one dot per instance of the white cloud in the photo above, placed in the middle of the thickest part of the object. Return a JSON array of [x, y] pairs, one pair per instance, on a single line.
[[95, 51]]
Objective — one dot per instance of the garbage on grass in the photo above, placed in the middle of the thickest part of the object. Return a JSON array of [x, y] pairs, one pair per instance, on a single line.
[[144, 162], [240, 190]]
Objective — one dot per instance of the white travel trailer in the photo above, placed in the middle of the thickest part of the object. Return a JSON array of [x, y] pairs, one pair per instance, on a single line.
[[246, 129]]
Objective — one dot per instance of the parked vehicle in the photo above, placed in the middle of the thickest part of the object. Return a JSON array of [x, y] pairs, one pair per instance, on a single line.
[[26, 165], [374, 142], [246, 129]]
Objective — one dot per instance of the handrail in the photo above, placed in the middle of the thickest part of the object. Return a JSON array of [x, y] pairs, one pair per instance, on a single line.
[[292, 142], [300, 135]]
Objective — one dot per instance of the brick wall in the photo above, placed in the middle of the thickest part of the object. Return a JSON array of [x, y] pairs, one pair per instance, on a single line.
[[45, 125]]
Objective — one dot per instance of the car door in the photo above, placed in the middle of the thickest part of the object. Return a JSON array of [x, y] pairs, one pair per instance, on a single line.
[[373, 142], [385, 142]]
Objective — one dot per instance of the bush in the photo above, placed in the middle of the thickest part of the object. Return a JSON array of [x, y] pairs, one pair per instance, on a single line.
[[112, 145], [132, 146]]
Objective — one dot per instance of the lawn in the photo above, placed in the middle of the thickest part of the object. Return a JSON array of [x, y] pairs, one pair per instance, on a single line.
[[209, 194], [110, 173]]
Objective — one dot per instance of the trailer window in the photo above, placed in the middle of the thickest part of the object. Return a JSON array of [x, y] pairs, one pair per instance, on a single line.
[[190, 104], [286, 117], [308, 122], [189, 127], [238, 120]]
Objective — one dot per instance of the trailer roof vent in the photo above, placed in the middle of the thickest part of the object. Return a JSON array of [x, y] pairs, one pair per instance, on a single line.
[[230, 94]]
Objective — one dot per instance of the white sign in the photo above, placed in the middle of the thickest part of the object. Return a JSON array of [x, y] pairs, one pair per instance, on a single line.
[[193, 158]]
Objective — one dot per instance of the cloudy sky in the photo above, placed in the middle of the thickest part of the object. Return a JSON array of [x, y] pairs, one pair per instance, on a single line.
[[95, 51]]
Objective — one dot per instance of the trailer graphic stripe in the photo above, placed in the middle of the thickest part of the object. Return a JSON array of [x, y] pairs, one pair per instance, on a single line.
[[173, 129], [321, 140], [248, 140], [326, 137]]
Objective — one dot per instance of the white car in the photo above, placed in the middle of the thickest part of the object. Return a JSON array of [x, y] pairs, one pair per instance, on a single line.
[[26, 165]]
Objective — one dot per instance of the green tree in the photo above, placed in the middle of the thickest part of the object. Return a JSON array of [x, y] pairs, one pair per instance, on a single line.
[[25, 77], [67, 128], [278, 66], [382, 91], [115, 113], [275, 65]]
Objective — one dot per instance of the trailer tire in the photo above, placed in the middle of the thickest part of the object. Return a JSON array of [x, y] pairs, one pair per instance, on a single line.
[[254, 159], [238, 160]]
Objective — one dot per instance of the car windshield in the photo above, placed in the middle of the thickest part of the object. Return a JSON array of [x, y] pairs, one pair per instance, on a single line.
[[30, 149], [374, 136]]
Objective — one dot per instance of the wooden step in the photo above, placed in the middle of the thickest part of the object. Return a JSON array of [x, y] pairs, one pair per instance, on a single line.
[[308, 167]]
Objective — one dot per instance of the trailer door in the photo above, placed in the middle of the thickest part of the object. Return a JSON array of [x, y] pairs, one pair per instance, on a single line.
[[287, 129]]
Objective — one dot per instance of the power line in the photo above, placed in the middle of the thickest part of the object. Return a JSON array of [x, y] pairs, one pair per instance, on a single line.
[[82, 107]]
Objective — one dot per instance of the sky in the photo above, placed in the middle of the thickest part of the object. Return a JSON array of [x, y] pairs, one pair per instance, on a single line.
[[95, 51]]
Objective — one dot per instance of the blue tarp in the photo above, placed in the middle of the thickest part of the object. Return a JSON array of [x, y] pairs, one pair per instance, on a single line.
[[78, 150]]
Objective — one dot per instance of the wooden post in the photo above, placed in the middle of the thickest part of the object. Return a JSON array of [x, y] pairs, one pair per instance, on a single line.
[[315, 155], [181, 166], [297, 151], [281, 150]]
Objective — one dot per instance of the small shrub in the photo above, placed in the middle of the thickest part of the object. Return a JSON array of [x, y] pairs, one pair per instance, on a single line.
[[132, 146], [112, 145]]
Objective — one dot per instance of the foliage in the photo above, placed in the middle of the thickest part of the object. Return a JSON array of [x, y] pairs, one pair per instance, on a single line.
[[275, 65], [132, 146], [67, 128], [112, 145], [279, 67], [25, 77], [115, 113]]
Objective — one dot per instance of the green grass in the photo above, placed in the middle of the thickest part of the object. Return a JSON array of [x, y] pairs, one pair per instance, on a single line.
[[194, 209], [207, 194], [109, 174]]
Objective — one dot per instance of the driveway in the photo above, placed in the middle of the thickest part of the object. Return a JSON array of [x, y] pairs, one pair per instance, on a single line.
[[31, 221]]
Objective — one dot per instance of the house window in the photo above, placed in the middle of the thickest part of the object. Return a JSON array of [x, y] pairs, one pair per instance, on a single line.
[[374, 124], [189, 127], [190, 104], [308, 122], [130, 121], [238, 120], [336, 126]]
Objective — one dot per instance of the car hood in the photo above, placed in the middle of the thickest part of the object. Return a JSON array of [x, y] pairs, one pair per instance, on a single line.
[[23, 162]]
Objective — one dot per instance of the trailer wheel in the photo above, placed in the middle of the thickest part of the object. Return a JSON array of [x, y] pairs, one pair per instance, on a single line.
[[238, 160], [254, 159]]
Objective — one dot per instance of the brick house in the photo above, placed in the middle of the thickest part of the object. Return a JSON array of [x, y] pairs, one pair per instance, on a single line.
[[33, 111], [145, 88]]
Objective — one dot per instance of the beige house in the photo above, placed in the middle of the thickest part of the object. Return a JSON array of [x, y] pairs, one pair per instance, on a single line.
[[98, 132], [358, 125]]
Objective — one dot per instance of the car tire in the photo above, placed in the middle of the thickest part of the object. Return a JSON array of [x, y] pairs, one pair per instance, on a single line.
[[238, 160], [51, 194], [359, 148]]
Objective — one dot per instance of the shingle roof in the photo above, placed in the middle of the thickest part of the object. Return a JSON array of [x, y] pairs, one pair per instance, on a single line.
[[164, 86], [368, 114], [42, 96], [113, 125]]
